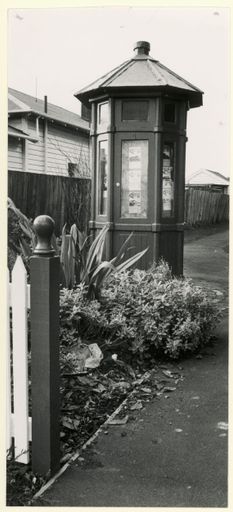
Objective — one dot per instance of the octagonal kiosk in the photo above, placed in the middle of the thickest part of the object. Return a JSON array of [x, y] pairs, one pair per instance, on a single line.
[[138, 131]]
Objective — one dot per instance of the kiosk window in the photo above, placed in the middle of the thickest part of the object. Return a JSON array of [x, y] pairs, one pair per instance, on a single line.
[[169, 112], [103, 114], [135, 110], [134, 178], [168, 180], [103, 177]]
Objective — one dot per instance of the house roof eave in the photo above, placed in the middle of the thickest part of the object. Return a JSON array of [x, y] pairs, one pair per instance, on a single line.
[[44, 115]]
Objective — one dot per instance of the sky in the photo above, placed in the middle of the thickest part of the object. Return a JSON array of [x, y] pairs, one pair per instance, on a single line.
[[56, 52]]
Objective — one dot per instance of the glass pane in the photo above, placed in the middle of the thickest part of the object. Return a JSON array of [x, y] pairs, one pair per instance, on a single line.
[[134, 178], [168, 180], [103, 177], [169, 112], [103, 113], [135, 110]]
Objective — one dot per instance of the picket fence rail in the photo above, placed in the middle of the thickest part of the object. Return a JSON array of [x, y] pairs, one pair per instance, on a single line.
[[18, 420]]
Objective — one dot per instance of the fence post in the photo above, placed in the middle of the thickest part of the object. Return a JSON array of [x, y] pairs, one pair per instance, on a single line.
[[45, 267]]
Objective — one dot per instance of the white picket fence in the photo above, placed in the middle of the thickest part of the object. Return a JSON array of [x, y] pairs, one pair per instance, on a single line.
[[18, 422]]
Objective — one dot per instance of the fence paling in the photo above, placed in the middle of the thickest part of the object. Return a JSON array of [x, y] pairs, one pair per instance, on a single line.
[[19, 303], [206, 207]]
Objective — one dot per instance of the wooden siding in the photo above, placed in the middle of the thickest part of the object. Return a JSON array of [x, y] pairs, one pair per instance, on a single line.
[[18, 122], [65, 199], [35, 151], [203, 207], [66, 145], [15, 154], [53, 151]]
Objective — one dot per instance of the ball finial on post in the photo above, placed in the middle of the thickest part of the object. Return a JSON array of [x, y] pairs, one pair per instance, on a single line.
[[44, 229], [45, 369]]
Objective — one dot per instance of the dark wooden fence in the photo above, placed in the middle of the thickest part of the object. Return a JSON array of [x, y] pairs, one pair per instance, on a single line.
[[65, 199], [204, 207]]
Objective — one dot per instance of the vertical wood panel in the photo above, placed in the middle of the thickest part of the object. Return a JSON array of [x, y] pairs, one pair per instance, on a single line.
[[20, 363], [65, 199], [205, 207]]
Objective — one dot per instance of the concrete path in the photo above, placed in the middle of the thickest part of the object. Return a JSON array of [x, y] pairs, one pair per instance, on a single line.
[[174, 452], [206, 260]]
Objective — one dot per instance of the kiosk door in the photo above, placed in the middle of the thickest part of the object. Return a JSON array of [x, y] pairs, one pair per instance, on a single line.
[[133, 193]]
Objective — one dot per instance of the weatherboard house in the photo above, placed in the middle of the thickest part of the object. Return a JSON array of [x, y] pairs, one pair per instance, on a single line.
[[205, 179], [45, 138]]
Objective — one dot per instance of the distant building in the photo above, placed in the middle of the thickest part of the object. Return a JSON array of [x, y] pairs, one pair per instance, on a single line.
[[45, 138], [205, 179]]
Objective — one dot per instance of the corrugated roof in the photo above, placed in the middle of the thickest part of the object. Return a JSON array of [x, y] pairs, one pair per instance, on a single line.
[[21, 102], [142, 71]]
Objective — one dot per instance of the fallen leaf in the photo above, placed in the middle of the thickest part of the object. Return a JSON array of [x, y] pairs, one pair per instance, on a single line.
[[67, 424], [168, 373], [94, 357], [119, 421], [136, 406], [76, 423], [66, 457], [169, 389], [146, 390], [222, 425], [100, 388], [218, 293], [122, 384], [159, 386]]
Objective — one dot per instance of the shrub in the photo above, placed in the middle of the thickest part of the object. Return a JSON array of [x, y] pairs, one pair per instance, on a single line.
[[144, 312], [20, 235], [83, 262]]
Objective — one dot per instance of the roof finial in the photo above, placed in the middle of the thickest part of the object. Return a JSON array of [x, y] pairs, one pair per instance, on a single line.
[[142, 47]]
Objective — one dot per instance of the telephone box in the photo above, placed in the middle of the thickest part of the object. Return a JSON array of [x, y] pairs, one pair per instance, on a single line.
[[138, 132]]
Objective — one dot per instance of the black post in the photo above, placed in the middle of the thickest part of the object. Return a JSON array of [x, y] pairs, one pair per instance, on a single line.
[[45, 268]]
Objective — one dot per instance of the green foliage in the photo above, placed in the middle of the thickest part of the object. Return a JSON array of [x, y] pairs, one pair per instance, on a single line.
[[169, 315], [21, 237], [79, 317], [143, 312], [68, 256], [82, 262]]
